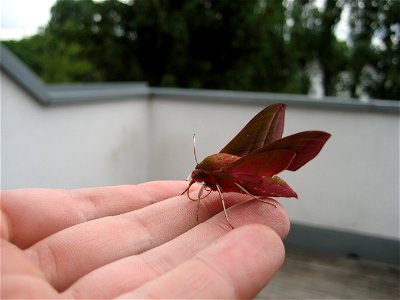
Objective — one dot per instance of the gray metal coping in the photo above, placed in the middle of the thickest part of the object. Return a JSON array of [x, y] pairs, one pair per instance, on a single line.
[[74, 93], [263, 98], [62, 93]]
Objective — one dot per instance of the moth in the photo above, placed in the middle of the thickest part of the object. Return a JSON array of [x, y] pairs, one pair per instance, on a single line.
[[250, 162]]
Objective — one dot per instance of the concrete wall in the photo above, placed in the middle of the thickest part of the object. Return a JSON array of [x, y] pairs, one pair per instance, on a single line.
[[353, 184], [71, 145]]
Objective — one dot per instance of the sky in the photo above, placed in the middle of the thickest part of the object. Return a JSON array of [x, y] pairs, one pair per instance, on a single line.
[[22, 18]]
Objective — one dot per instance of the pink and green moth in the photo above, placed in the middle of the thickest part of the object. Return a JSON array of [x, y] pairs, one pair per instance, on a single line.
[[250, 162]]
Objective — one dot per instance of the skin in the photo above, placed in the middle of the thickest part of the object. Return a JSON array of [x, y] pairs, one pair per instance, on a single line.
[[138, 241]]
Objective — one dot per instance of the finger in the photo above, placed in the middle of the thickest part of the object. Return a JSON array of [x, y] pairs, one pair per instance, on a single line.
[[236, 266], [29, 215], [139, 269], [20, 278], [254, 211], [69, 254], [26, 287], [17, 263]]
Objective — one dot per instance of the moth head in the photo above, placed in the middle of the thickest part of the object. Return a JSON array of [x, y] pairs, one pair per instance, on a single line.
[[199, 175]]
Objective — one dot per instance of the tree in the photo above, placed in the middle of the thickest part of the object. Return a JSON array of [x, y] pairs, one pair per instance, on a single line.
[[312, 38], [257, 45], [212, 44], [53, 60], [375, 36]]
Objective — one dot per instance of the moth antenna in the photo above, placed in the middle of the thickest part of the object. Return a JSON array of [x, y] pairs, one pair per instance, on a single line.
[[194, 149]]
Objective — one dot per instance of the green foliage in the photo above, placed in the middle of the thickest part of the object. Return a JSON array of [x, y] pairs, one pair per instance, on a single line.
[[54, 60], [254, 45], [375, 52]]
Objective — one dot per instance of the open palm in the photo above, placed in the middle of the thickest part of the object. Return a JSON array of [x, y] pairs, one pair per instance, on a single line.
[[137, 242]]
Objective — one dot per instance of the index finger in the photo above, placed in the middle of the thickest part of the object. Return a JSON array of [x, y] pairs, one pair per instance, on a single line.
[[29, 215]]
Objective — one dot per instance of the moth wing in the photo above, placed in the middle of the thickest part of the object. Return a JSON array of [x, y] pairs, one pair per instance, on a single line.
[[306, 145], [263, 163], [265, 128], [265, 186]]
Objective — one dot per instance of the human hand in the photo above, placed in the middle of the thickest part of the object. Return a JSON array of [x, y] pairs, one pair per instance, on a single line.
[[138, 241]]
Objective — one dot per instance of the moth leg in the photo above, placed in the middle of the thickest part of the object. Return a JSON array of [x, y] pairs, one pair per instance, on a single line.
[[223, 205], [203, 188], [200, 192], [198, 201], [198, 209], [187, 191], [199, 196], [255, 197]]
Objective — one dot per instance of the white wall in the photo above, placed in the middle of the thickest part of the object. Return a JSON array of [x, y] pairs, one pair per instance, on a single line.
[[353, 184], [76, 145]]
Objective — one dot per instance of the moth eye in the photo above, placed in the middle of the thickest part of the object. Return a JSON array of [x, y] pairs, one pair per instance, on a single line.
[[201, 175], [198, 175]]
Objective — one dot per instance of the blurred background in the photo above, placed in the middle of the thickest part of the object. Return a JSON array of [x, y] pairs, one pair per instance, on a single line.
[[326, 47], [110, 92]]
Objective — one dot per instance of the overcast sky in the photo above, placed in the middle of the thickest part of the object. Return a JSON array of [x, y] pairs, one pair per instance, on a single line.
[[22, 18]]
